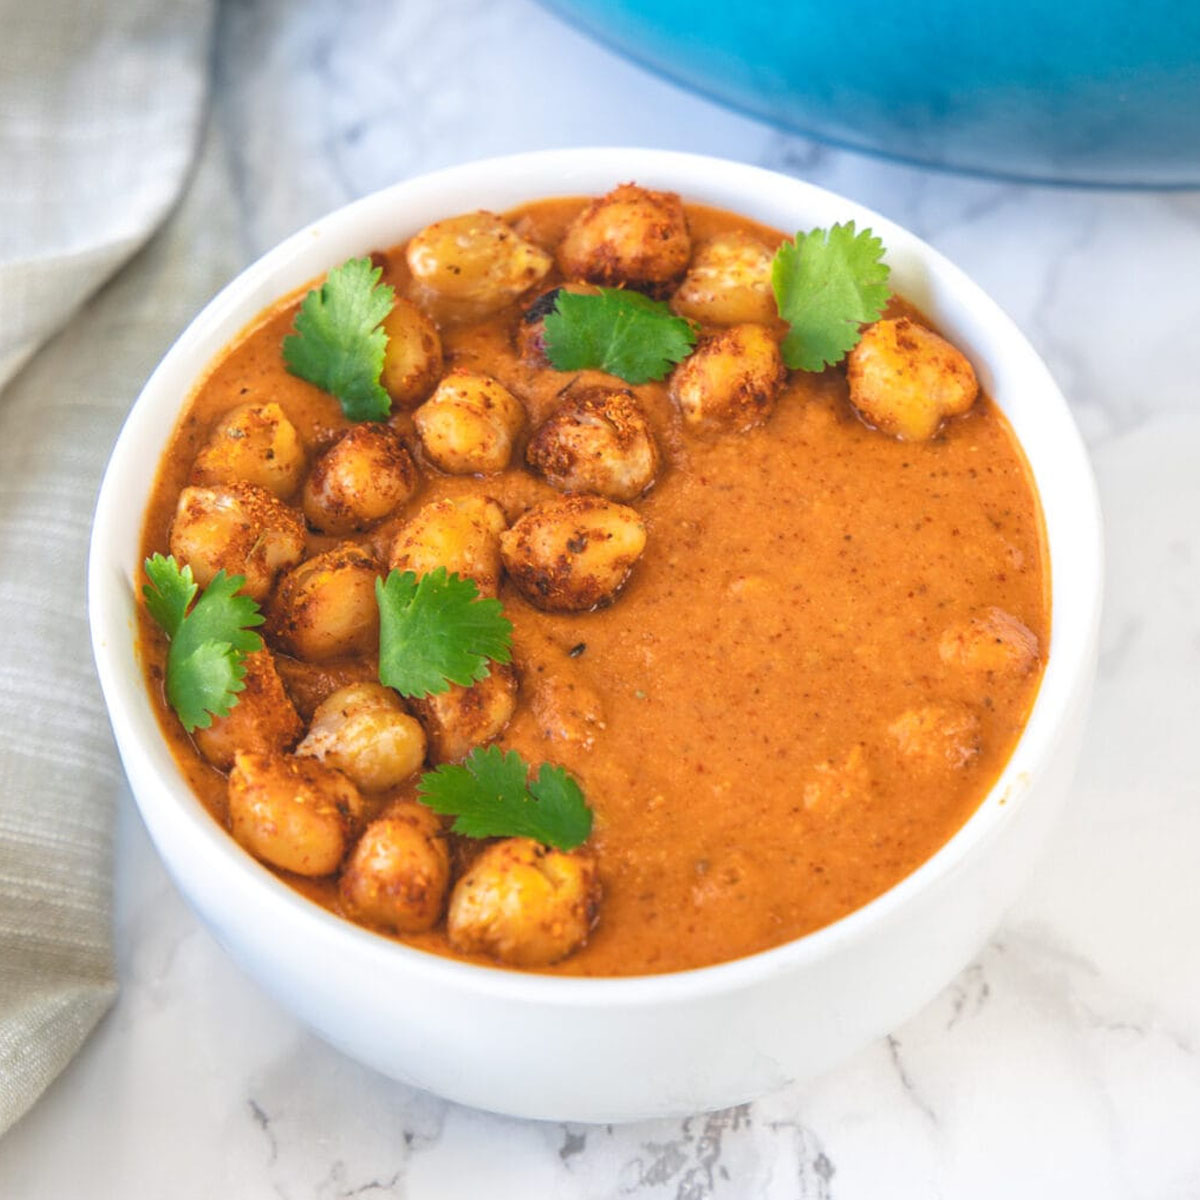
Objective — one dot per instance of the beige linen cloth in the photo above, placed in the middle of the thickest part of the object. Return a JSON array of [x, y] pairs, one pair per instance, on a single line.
[[101, 106]]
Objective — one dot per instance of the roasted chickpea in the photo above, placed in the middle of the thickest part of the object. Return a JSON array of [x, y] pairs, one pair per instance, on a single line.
[[936, 737], [992, 641], [461, 535], [598, 440], [467, 426], [458, 720], [474, 264], [294, 813], [253, 443], [326, 607], [362, 478], [412, 361], [905, 379], [240, 529], [730, 382], [573, 554], [524, 904], [728, 282], [262, 720], [629, 236], [365, 732], [398, 875]]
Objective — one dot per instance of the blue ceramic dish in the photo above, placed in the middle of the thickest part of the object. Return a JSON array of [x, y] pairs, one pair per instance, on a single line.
[[1078, 91]]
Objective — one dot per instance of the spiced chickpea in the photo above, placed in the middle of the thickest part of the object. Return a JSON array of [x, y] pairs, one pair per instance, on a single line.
[[730, 382], [294, 813], [462, 535], [253, 443], [398, 874], [474, 264], [728, 282], [524, 904], [237, 528], [365, 732], [326, 607], [467, 426], [362, 478], [906, 380], [412, 360], [573, 554], [630, 236], [598, 440], [458, 720]]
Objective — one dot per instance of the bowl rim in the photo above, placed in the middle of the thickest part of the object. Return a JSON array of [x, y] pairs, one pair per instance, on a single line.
[[705, 179]]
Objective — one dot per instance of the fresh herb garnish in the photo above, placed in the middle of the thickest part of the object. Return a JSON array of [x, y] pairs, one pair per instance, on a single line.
[[338, 343], [491, 795], [624, 333], [828, 284], [209, 639], [435, 630]]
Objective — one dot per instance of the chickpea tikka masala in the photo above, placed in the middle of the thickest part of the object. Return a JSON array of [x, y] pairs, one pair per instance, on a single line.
[[571, 590]]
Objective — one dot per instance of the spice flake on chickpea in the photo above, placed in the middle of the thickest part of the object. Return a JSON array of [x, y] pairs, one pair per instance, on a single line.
[[614, 585]]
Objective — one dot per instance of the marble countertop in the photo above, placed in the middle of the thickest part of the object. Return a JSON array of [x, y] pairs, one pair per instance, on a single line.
[[1065, 1061]]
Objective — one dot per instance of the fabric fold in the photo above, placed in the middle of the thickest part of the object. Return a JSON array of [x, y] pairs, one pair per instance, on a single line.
[[101, 108]]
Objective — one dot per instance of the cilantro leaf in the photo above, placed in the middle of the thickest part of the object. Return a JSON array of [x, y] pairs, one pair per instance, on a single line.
[[491, 795], [203, 683], [624, 333], [169, 591], [435, 630], [338, 344], [828, 283], [209, 643], [222, 614]]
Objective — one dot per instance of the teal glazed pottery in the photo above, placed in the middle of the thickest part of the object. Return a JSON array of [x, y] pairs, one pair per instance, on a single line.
[[1100, 92]]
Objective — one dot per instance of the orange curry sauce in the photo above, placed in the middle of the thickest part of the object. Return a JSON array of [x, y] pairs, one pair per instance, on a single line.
[[786, 611]]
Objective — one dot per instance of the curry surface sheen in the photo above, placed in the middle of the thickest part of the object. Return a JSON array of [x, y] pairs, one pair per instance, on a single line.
[[786, 612]]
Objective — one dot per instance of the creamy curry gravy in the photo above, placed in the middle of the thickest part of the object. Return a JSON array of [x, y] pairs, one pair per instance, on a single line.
[[786, 611]]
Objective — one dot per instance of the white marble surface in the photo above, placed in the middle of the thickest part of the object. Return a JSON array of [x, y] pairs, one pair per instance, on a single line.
[[1065, 1062]]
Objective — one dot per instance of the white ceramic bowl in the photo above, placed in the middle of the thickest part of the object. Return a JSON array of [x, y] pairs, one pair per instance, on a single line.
[[611, 1049]]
